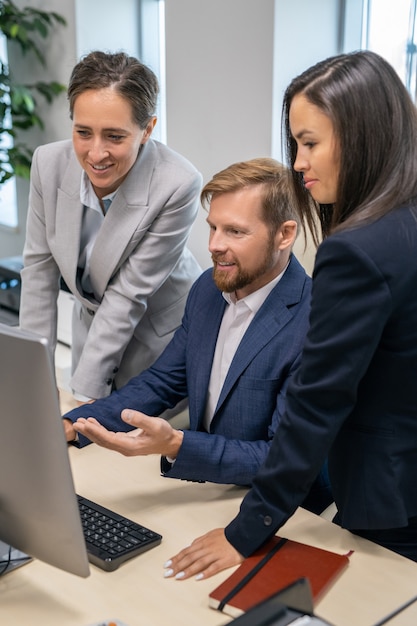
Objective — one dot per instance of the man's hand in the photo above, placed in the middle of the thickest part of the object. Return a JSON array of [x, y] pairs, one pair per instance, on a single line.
[[205, 557], [153, 435], [79, 403], [69, 430]]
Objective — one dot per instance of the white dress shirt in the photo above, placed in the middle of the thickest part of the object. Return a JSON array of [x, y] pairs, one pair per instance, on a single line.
[[92, 219], [236, 319]]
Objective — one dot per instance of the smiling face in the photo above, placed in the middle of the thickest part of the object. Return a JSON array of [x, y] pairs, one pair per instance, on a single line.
[[317, 152], [106, 139], [246, 256]]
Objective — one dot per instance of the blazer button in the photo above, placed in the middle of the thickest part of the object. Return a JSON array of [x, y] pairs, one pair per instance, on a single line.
[[267, 520], [115, 370], [90, 311], [109, 381]]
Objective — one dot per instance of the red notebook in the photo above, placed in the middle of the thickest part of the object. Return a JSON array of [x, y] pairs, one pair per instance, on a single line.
[[273, 567]]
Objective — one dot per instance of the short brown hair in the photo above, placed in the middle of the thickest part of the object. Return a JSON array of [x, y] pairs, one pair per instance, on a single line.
[[278, 202], [133, 80]]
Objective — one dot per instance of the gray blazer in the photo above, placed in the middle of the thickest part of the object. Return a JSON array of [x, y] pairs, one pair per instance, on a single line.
[[140, 268]]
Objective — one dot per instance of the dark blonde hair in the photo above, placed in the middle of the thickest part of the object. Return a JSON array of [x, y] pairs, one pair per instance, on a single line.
[[272, 176], [132, 80], [375, 124]]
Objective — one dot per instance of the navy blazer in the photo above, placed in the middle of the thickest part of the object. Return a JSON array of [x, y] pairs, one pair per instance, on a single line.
[[252, 399], [355, 393]]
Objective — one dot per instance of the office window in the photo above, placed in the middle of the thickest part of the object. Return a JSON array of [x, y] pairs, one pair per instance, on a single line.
[[137, 27], [8, 205], [389, 29]]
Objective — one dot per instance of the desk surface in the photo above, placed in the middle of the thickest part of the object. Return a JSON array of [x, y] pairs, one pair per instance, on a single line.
[[375, 583]]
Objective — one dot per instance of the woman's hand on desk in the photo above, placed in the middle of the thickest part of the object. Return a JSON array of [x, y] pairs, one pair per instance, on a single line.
[[206, 556], [153, 435]]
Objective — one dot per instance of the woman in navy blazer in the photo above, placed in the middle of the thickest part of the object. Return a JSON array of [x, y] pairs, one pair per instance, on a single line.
[[127, 266], [351, 132]]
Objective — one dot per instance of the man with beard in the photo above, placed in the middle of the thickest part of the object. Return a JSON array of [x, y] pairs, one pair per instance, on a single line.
[[239, 343]]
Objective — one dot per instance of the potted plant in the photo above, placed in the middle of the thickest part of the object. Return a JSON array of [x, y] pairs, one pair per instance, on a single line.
[[25, 27]]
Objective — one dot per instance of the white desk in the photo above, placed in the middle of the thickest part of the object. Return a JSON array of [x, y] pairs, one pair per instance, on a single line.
[[375, 582]]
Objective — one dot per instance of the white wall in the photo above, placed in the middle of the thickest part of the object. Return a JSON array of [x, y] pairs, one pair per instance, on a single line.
[[223, 102], [219, 68], [305, 33], [93, 38], [228, 63]]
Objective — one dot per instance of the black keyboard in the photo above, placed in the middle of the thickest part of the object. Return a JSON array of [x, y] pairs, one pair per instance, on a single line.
[[112, 539]]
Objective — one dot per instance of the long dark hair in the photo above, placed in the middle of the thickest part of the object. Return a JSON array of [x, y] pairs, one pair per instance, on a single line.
[[375, 123]]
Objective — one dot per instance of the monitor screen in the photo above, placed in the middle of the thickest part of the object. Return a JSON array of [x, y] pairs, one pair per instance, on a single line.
[[39, 512]]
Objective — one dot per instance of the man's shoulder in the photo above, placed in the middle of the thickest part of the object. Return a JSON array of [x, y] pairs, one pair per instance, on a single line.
[[204, 290], [295, 286], [205, 283], [297, 270]]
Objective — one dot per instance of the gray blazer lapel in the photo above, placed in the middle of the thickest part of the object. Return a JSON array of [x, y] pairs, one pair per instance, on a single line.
[[127, 213], [69, 214]]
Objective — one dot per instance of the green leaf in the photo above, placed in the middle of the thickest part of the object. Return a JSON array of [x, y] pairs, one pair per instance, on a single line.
[[22, 170], [14, 30], [41, 27], [60, 19], [27, 27], [49, 90], [21, 100]]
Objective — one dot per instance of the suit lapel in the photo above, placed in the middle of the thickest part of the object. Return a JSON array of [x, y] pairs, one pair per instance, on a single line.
[[271, 318], [269, 321], [203, 358], [125, 215], [69, 215]]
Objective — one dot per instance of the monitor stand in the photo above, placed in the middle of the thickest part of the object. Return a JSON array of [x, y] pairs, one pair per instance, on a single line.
[[17, 558]]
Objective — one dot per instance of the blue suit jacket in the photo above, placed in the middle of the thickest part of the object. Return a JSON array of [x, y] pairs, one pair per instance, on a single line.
[[251, 401], [354, 396]]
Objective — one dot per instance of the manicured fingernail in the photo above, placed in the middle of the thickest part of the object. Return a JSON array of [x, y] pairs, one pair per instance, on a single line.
[[168, 563], [168, 573], [199, 576], [180, 575]]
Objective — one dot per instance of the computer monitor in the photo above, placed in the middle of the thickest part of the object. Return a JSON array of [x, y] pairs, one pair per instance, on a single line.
[[39, 512]]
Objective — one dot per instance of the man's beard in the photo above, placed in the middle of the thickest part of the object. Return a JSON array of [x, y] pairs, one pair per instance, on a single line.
[[242, 277]]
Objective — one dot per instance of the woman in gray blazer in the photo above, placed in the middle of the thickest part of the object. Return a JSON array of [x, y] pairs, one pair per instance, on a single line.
[[109, 214]]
